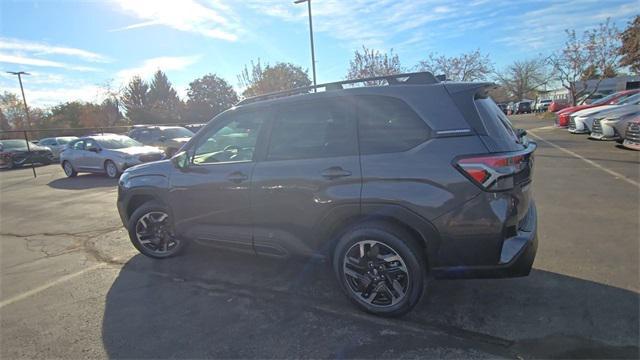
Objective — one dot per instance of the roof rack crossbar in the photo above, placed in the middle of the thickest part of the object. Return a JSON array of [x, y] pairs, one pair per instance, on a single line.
[[414, 78]]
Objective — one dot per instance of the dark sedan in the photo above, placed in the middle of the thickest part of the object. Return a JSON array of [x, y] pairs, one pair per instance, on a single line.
[[15, 153]]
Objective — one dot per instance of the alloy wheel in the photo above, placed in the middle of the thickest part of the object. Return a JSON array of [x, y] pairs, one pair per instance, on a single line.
[[376, 273], [153, 231], [68, 169], [112, 170]]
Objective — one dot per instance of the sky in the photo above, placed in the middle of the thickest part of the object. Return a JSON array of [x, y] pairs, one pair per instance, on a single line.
[[77, 50]]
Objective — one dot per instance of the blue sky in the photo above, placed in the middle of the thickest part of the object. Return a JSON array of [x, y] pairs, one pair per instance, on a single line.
[[73, 49]]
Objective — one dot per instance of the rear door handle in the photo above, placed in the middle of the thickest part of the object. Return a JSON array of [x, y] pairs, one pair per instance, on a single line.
[[237, 177], [335, 172]]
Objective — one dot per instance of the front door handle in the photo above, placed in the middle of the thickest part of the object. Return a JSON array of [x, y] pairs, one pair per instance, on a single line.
[[237, 177], [335, 172]]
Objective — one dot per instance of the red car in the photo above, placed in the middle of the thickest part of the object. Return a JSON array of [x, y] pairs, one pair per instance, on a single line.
[[562, 118], [556, 106]]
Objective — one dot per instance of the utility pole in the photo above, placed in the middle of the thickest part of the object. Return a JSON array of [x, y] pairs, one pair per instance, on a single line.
[[313, 55], [26, 111]]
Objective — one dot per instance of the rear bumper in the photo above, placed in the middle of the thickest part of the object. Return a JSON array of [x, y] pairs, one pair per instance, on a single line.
[[516, 258]]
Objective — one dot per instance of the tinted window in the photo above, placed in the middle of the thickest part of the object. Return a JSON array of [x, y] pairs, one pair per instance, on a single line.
[[236, 141], [313, 130], [388, 125]]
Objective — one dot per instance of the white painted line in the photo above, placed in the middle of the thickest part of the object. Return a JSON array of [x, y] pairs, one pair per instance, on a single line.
[[592, 163], [39, 289], [551, 127]]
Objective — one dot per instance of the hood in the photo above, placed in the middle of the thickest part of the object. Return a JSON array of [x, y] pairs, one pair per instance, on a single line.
[[156, 168], [572, 109], [594, 110], [621, 111], [137, 150]]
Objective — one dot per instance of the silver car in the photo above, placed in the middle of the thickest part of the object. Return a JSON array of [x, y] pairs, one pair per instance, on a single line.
[[56, 144], [108, 154]]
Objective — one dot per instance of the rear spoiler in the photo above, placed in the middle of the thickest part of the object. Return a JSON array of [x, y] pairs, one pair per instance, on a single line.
[[463, 95]]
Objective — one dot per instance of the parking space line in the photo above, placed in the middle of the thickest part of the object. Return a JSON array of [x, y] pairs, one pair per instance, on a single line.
[[53, 283], [590, 162]]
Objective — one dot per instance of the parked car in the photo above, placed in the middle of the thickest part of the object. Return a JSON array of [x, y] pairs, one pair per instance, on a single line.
[[56, 144], [16, 153], [563, 116], [108, 154], [194, 128], [581, 121], [613, 124], [543, 105], [374, 178], [632, 135], [503, 108], [522, 107], [557, 105], [168, 138]]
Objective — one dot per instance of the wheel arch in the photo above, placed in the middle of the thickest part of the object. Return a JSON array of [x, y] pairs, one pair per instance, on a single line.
[[423, 232], [139, 198]]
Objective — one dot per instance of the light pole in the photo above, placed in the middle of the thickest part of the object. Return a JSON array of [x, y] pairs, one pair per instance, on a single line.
[[313, 55], [26, 110], [24, 100]]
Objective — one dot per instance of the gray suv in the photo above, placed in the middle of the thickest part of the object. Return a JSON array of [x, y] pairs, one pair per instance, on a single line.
[[392, 184]]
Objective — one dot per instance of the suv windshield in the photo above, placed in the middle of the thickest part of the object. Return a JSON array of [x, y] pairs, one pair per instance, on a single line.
[[173, 133], [117, 142]]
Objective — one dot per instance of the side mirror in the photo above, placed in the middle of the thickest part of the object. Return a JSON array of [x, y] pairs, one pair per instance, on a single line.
[[93, 149], [521, 132], [180, 160]]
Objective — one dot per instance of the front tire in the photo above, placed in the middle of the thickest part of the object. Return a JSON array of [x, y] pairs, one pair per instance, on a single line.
[[151, 231], [380, 268], [111, 169]]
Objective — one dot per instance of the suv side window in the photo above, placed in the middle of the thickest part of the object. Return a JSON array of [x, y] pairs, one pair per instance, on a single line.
[[234, 142], [317, 129], [388, 125]]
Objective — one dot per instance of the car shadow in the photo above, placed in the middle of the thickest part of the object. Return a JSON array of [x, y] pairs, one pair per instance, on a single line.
[[211, 303], [83, 182]]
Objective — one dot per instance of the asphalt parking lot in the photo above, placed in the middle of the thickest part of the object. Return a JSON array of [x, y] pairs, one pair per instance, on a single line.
[[72, 286]]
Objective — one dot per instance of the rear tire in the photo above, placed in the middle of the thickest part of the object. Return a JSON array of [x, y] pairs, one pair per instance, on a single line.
[[151, 231], [68, 169], [390, 278]]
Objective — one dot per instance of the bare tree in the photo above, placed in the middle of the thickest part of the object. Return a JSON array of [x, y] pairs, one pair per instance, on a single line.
[[594, 56], [523, 78], [630, 49], [371, 63], [471, 66]]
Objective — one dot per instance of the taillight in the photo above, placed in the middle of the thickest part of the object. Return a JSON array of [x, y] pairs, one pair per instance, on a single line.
[[496, 172]]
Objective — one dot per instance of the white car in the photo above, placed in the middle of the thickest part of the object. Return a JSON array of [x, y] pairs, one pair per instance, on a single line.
[[613, 125], [56, 144], [581, 122]]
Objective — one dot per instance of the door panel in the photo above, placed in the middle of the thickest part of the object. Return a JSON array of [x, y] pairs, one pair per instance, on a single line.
[[211, 198], [311, 170], [91, 160], [211, 203]]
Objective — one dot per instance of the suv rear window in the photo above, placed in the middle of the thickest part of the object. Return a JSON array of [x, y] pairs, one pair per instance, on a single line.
[[388, 125]]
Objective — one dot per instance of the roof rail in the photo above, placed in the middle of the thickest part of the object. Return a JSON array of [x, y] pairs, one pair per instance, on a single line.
[[414, 78]]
